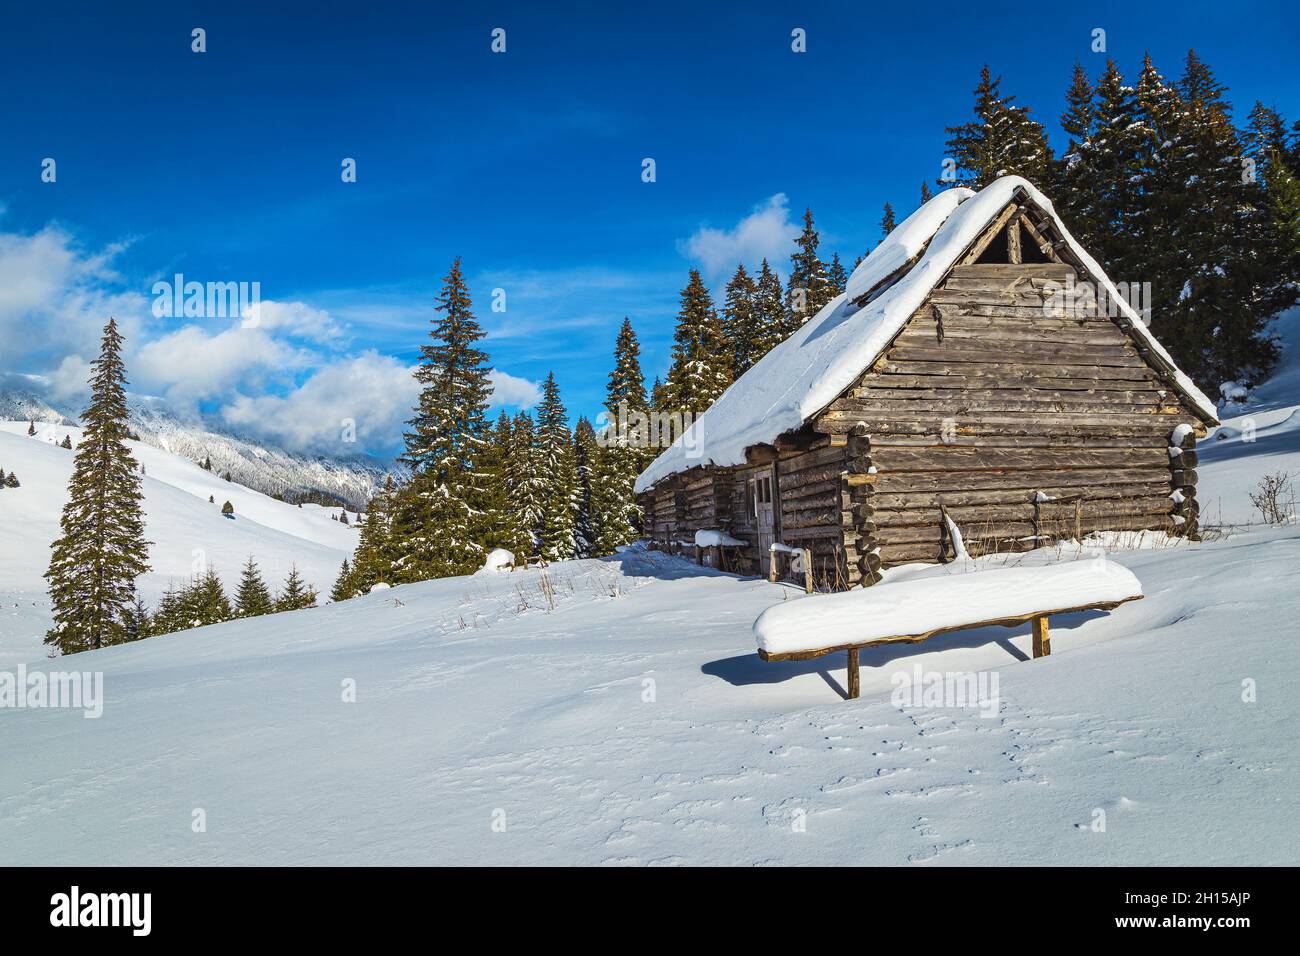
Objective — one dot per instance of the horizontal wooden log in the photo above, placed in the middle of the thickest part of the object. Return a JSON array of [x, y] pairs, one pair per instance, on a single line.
[[911, 500], [872, 390], [1012, 372], [976, 518], [1059, 382], [898, 458], [898, 546]]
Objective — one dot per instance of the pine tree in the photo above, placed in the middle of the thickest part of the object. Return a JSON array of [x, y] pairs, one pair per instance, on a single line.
[[769, 311], [699, 372], [585, 451], [253, 598], [204, 602], [1000, 141], [372, 562], [441, 518], [527, 485], [558, 468], [616, 519], [836, 275], [740, 322], [167, 617], [1221, 245], [227, 509], [66, 443], [1075, 177], [136, 621], [296, 594], [887, 223], [31, 429], [342, 589], [809, 288], [101, 549], [926, 195]]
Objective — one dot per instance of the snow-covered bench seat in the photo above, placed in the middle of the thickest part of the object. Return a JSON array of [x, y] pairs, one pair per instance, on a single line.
[[911, 611]]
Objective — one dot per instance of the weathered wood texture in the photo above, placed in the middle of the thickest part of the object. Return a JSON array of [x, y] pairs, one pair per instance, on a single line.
[[1028, 424], [1029, 416]]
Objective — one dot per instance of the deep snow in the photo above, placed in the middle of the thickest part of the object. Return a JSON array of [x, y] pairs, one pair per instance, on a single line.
[[183, 526], [635, 724]]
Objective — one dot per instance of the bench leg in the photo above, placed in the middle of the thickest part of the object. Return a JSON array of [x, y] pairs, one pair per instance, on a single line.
[[1042, 641], [854, 681]]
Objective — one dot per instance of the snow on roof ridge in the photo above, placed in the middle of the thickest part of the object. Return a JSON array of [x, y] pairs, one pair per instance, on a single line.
[[809, 370]]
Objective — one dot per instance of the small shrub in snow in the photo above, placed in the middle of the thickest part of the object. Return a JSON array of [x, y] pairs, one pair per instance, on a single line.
[[1275, 498]]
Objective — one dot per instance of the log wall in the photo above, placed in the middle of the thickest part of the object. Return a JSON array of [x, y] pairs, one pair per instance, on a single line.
[[1025, 425]]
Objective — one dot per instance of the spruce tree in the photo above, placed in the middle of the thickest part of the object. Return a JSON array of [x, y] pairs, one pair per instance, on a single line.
[[252, 598], [441, 518], [136, 622], [167, 617], [926, 195], [342, 589], [101, 548], [1075, 177], [809, 287], [204, 602], [769, 311], [836, 275], [616, 519], [527, 484], [1221, 246], [740, 322], [700, 371], [585, 451], [887, 223], [372, 562], [1000, 141], [296, 594], [558, 468]]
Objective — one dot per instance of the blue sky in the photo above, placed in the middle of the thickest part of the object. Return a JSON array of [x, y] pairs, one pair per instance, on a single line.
[[225, 166]]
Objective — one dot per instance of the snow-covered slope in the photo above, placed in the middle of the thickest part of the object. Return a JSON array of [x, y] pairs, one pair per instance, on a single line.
[[635, 724], [351, 479], [184, 526], [1258, 437], [21, 405]]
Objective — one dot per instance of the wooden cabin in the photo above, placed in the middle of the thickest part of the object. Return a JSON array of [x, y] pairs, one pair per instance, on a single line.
[[980, 373]]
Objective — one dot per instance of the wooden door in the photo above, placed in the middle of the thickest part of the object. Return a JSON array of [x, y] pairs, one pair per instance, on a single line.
[[760, 496]]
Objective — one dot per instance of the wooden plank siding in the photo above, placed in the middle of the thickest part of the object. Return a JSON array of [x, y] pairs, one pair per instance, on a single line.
[[987, 399]]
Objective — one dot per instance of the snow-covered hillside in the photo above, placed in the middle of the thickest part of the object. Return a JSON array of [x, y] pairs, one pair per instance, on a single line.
[[463, 721], [351, 479], [183, 525]]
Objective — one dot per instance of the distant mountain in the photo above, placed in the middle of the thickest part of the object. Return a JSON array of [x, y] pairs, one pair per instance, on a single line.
[[18, 405], [264, 468], [273, 471]]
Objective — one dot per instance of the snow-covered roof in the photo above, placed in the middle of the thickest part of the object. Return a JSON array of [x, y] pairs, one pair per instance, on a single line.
[[809, 370]]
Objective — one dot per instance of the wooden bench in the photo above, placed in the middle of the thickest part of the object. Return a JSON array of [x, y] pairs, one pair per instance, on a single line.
[[794, 630]]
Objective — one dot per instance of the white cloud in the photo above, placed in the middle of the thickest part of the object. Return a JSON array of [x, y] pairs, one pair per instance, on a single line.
[[293, 318], [192, 364], [277, 372], [55, 298], [514, 391], [766, 232], [373, 392]]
